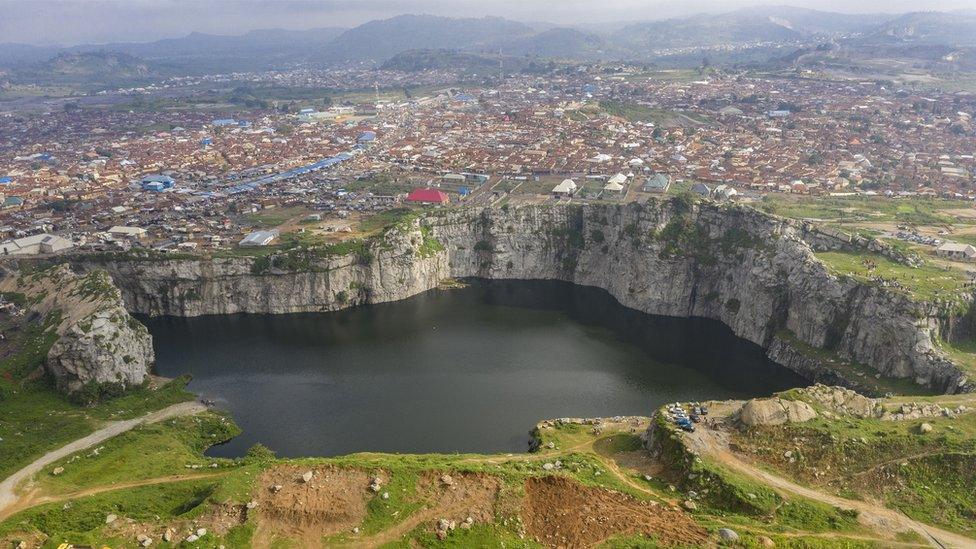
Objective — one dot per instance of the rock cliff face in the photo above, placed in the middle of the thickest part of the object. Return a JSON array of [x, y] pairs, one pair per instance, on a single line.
[[98, 342], [394, 270], [751, 271], [107, 347]]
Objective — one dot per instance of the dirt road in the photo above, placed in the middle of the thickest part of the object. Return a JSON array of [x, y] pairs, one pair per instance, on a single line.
[[8, 487], [714, 443]]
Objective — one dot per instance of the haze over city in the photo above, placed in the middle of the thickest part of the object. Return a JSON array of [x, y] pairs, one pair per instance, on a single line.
[[70, 22]]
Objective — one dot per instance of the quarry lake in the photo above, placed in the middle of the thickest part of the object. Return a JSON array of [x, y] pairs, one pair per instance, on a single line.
[[458, 370]]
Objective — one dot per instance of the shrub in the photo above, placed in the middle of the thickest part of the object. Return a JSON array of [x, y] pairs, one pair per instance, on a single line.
[[260, 452]]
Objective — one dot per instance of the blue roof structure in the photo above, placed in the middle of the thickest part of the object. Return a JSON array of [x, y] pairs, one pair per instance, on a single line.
[[224, 122], [6, 180], [367, 137], [157, 182], [273, 178]]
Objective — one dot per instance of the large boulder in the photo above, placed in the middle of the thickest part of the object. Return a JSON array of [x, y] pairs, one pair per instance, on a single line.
[[98, 342], [775, 411], [728, 535], [98, 346], [109, 346]]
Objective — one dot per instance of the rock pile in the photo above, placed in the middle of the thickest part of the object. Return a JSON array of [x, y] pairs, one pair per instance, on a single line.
[[916, 410], [844, 401], [775, 411]]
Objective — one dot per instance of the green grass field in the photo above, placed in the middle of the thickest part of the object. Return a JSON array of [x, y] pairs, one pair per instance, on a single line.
[[913, 211], [927, 282], [36, 419]]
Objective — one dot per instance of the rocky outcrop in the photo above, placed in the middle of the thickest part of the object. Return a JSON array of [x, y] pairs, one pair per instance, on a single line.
[[775, 411], [108, 346], [752, 271], [98, 342], [843, 402]]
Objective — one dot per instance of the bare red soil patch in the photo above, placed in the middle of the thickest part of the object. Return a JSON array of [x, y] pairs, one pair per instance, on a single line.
[[560, 512], [332, 501]]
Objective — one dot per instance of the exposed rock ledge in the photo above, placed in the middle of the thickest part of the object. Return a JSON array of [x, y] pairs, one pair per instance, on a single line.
[[98, 343], [775, 411], [751, 271]]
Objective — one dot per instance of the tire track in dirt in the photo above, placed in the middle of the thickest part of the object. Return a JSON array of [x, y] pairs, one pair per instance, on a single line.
[[714, 444]]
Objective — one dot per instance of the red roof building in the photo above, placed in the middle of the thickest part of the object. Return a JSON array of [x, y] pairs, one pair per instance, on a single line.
[[428, 196]]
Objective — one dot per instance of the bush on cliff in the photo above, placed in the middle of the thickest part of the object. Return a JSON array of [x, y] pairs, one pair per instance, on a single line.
[[93, 393]]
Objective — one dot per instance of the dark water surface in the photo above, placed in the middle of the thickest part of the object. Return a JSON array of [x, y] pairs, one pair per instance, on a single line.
[[469, 370]]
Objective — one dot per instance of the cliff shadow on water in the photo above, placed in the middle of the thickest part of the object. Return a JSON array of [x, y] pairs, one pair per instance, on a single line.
[[705, 345], [459, 370]]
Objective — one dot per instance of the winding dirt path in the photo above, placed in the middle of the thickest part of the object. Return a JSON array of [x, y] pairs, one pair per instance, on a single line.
[[714, 444], [34, 498], [8, 495]]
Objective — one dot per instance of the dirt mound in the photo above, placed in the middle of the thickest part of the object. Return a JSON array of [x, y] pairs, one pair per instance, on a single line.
[[560, 512], [332, 501], [457, 496]]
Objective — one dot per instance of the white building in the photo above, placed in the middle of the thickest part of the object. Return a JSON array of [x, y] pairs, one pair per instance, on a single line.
[[567, 187], [121, 231], [955, 250], [34, 245], [259, 238]]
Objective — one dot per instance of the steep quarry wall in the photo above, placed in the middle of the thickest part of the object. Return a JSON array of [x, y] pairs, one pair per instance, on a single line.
[[392, 270], [751, 271]]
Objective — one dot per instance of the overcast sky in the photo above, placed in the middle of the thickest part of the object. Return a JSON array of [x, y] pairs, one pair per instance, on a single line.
[[96, 21]]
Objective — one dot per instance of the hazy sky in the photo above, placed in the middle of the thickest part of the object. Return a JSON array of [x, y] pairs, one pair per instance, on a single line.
[[77, 21]]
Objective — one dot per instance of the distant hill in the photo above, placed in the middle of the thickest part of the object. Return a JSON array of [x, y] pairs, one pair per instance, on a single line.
[[559, 43], [255, 50], [706, 30], [945, 28], [14, 55], [927, 41], [468, 64], [816, 22], [198, 52], [777, 24], [760, 36], [378, 40], [423, 60], [88, 68], [256, 42]]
